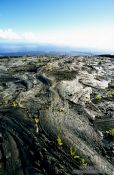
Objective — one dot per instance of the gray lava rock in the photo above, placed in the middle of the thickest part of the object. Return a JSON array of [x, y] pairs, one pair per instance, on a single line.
[[65, 98]]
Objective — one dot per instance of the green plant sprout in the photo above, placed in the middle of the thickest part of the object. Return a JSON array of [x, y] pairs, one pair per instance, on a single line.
[[110, 93], [17, 104], [14, 104], [110, 132], [83, 162], [98, 97], [74, 155], [59, 141]]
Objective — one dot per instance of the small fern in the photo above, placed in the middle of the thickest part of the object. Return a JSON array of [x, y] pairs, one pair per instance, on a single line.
[[59, 141], [14, 104], [110, 132], [37, 120], [98, 97]]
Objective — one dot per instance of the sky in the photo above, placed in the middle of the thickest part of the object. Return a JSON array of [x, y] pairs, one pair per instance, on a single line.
[[74, 23]]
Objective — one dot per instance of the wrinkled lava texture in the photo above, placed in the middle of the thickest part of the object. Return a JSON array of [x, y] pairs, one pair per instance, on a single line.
[[56, 115]]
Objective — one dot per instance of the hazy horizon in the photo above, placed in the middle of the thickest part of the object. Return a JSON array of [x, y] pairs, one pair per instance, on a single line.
[[62, 23]]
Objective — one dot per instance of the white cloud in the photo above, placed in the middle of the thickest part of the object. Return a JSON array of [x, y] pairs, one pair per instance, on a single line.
[[9, 34], [99, 37], [29, 36]]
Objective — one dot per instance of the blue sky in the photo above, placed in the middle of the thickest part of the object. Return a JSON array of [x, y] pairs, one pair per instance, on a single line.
[[77, 23]]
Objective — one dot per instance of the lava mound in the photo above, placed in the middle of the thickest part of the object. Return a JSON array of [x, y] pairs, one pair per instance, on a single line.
[[56, 115]]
